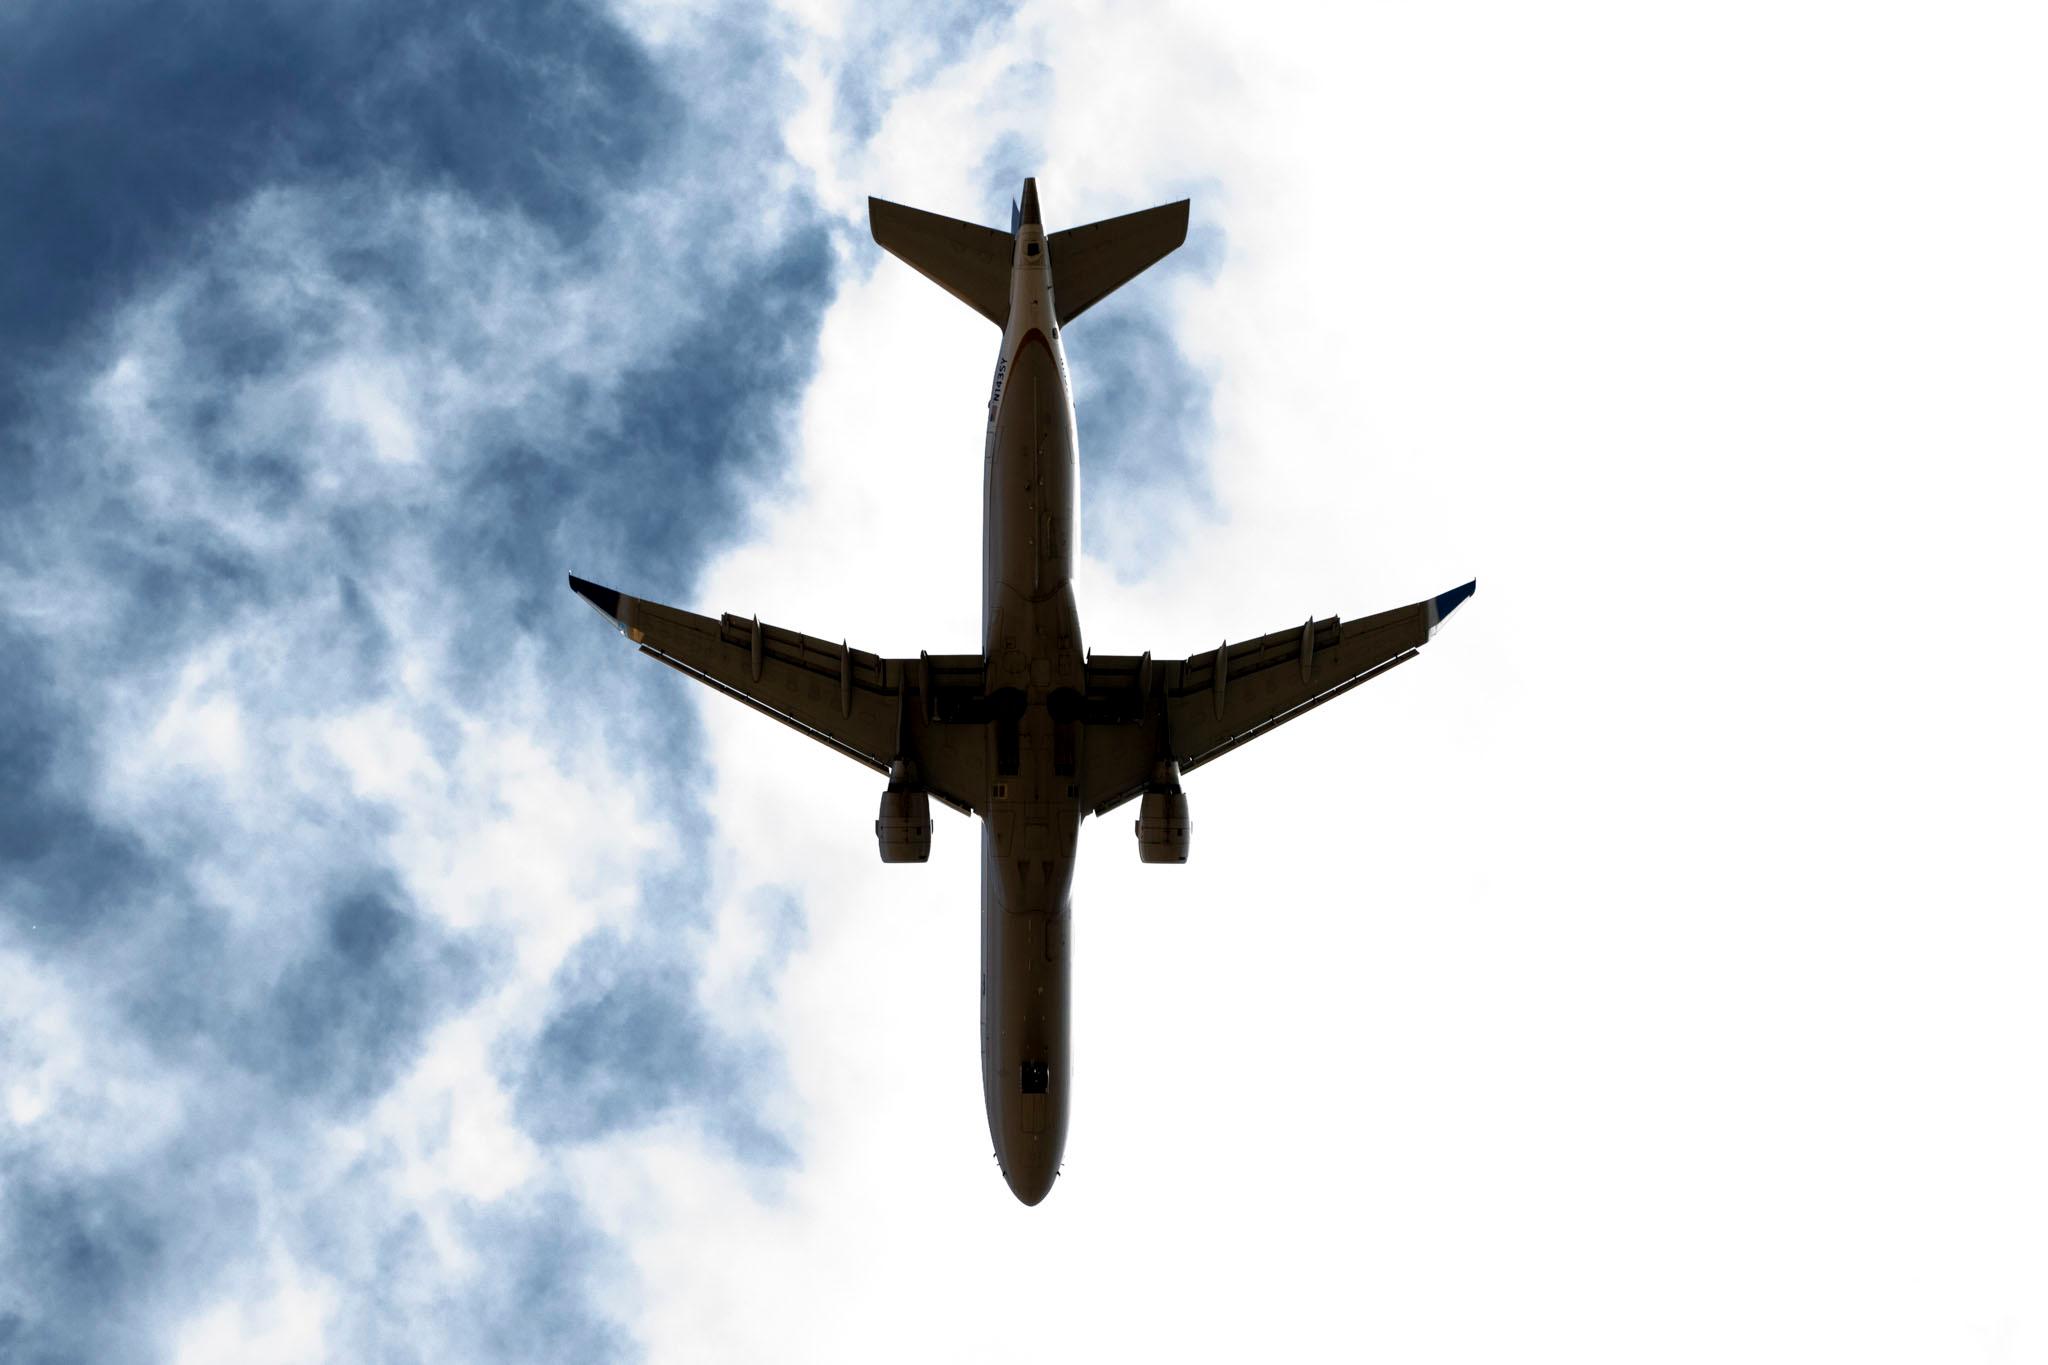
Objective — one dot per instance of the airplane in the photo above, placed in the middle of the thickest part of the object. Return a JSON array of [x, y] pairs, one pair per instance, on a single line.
[[1031, 733]]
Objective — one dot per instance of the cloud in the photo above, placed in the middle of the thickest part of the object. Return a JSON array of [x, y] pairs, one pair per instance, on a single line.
[[883, 50], [626, 1042], [1142, 410], [92, 1258], [350, 1014], [530, 1287], [135, 123], [394, 967], [355, 331]]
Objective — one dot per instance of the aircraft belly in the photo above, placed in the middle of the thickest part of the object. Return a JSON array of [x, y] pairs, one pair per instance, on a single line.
[[1025, 1060], [1032, 640], [1031, 478]]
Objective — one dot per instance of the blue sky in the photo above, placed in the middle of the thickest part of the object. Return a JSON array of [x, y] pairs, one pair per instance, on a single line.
[[393, 967]]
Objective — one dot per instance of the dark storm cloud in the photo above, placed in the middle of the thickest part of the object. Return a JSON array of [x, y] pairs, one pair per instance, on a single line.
[[626, 1042], [89, 1261], [256, 1037], [98, 1262], [342, 1020], [1142, 412], [334, 336], [711, 399], [130, 121], [61, 870], [100, 1253]]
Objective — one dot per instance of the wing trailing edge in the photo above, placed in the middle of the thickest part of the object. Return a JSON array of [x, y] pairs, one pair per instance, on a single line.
[[1194, 710], [879, 712]]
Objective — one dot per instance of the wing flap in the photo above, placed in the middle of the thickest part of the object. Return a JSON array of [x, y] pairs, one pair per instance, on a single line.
[[862, 705], [1197, 709], [1267, 682]]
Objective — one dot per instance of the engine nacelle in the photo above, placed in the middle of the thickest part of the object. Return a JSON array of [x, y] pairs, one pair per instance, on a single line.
[[1164, 830], [904, 828]]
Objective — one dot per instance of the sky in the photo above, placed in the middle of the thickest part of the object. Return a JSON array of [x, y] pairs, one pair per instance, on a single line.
[[395, 967]]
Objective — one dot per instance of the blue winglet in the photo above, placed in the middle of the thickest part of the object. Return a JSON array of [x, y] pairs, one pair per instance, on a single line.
[[1446, 603], [604, 599]]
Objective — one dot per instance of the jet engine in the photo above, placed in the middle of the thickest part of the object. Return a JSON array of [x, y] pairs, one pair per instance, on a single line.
[[904, 828], [1163, 828]]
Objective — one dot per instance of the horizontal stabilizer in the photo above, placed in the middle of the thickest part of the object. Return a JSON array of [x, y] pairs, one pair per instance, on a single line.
[[968, 261], [1089, 262]]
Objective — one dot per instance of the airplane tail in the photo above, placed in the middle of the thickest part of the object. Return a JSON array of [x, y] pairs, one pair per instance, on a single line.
[[973, 263], [1089, 262], [968, 261]]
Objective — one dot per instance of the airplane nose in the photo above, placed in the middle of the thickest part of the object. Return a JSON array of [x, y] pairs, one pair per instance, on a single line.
[[1030, 1178], [1031, 1162]]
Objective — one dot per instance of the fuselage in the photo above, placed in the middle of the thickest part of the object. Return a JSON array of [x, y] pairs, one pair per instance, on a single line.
[[1002, 734], [1031, 637]]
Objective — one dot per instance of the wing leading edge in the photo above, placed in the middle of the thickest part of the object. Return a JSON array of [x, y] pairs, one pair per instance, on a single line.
[[878, 712], [1197, 709]]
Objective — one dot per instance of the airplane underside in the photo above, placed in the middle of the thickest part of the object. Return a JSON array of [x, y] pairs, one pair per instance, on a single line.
[[1033, 733]]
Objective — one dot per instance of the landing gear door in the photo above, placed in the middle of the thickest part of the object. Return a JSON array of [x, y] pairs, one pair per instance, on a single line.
[[1035, 1080]]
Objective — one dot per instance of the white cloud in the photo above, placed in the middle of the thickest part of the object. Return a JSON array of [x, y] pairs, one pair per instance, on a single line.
[[1652, 968], [285, 1326], [76, 1089], [373, 398], [1648, 967], [282, 462]]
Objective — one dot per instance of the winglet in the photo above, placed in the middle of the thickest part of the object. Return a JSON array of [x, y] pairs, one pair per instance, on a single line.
[[1442, 605], [604, 599]]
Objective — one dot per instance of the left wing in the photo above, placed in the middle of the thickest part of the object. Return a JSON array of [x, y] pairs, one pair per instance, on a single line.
[[876, 711], [1192, 710]]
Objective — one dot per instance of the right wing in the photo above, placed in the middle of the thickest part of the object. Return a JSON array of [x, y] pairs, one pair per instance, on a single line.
[[876, 711], [1192, 710]]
